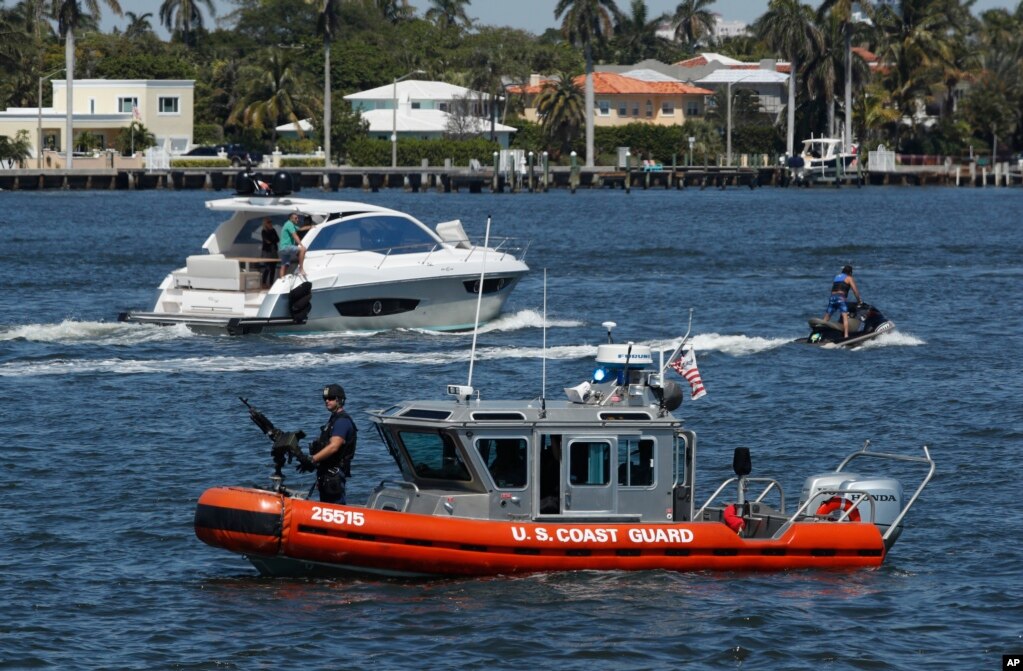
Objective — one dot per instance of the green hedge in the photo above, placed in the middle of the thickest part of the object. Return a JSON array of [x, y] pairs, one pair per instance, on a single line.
[[311, 162], [375, 152], [200, 163]]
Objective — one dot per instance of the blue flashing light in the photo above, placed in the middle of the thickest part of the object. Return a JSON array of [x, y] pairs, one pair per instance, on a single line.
[[600, 374]]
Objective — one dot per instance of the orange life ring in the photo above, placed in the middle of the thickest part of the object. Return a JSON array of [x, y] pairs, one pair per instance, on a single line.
[[836, 502], [733, 519]]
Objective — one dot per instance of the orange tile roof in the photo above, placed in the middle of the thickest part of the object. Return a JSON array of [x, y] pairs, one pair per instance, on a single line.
[[695, 62], [610, 83]]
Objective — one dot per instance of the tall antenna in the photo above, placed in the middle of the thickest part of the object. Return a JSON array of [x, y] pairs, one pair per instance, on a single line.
[[479, 301], [543, 383]]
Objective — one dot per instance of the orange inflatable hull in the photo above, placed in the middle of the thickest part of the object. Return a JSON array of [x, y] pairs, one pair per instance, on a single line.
[[285, 535]]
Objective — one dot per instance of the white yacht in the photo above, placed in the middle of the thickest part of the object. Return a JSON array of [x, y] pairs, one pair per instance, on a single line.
[[366, 268], [823, 159]]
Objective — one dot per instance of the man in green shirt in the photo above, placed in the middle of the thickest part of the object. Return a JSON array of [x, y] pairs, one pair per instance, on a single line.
[[290, 248]]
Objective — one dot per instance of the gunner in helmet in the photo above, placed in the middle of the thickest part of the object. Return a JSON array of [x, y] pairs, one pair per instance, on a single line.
[[840, 286], [333, 450]]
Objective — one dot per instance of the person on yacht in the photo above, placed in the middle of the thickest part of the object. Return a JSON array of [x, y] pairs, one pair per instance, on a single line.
[[840, 286], [268, 250], [290, 249]]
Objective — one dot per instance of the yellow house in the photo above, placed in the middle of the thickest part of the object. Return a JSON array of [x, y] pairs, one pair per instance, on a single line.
[[103, 107], [620, 99]]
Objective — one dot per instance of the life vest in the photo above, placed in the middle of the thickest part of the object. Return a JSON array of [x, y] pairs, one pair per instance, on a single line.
[[836, 502], [342, 457], [733, 518], [838, 285]]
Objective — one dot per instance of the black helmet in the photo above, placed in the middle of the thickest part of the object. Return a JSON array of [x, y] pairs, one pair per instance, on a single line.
[[334, 391], [847, 270]]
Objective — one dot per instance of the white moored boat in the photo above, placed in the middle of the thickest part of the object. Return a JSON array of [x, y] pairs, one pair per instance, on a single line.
[[367, 267], [823, 159]]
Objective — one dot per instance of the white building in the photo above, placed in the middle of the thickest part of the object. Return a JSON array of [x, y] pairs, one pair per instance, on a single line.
[[427, 110], [105, 106]]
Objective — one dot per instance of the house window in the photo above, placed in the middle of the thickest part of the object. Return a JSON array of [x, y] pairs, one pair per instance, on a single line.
[[168, 105], [604, 107], [623, 108], [635, 108], [416, 105], [125, 105], [92, 105], [649, 108], [667, 108], [692, 108]]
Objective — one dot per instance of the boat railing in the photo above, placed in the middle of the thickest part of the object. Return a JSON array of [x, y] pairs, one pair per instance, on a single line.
[[854, 496], [926, 459], [771, 484], [505, 246]]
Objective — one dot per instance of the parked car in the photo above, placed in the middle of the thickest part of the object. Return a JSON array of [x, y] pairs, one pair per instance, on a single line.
[[236, 153]]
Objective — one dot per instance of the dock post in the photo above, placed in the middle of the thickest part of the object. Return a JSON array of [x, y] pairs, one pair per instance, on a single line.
[[546, 172], [573, 175]]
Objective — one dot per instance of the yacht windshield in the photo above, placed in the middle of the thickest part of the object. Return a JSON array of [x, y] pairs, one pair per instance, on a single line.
[[374, 233]]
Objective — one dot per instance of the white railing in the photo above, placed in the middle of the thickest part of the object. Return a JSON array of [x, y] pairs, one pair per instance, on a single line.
[[881, 160], [157, 159]]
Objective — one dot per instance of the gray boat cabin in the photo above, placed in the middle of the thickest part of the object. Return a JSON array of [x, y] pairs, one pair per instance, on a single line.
[[611, 452]]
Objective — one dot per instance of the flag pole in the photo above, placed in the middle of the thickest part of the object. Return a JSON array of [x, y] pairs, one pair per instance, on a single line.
[[678, 350]]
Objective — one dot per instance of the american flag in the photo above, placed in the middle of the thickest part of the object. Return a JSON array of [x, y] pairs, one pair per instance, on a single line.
[[685, 366]]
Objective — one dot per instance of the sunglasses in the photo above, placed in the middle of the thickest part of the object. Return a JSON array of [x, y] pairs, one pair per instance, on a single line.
[[329, 398]]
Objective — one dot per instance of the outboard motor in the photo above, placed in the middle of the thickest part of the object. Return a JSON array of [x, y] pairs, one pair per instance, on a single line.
[[886, 493]]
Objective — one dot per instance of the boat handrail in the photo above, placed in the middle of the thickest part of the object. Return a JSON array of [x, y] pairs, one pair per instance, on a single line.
[[400, 484], [432, 250], [862, 495], [926, 459], [772, 483]]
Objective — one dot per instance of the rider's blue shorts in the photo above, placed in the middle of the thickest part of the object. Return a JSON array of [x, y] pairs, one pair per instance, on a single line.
[[837, 304]]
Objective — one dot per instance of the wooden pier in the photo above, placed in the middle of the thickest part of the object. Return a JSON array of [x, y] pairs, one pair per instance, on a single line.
[[478, 181]]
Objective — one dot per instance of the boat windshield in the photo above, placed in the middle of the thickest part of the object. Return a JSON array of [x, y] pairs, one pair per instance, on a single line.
[[380, 233], [433, 455]]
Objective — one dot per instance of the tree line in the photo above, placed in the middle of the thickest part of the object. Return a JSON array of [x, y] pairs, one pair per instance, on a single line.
[[944, 82]]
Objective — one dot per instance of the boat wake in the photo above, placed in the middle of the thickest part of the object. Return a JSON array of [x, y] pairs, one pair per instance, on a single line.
[[892, 339], [71, 331], [523, 319]]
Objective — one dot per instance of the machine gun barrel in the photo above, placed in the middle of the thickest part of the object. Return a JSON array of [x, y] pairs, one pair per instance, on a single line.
[[262, 421]]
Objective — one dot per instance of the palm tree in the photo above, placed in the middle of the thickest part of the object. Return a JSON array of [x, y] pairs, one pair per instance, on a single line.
[[449, 13], [587, 22], [915, 40], [636, 34], [274, 97], [184, 17], [693, 20], [560, 109], [138, 25], [328, 22], [69, 17], [842, 11], [395, 11], [788, 28]]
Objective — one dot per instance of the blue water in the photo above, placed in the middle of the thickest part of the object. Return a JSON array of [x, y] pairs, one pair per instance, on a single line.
[[112, 432]]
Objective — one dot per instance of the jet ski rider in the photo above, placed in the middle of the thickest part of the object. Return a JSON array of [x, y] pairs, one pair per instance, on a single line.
[[331, 453], [840, 287]]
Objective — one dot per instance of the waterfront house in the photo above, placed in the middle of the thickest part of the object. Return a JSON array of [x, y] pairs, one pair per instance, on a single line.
[[103, 107], [429, 110]]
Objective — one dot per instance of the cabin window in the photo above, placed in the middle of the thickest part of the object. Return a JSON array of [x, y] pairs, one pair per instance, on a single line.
[[433, 455], [635, 462], [385, 234], [505, 459], [590, 463]]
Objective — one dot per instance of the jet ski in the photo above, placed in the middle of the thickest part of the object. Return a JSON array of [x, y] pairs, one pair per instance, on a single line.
[[865, 322]]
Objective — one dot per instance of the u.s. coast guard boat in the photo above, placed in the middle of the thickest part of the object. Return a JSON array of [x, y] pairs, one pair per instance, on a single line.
[[605, 479], [366, 268]]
